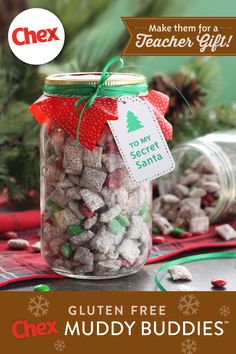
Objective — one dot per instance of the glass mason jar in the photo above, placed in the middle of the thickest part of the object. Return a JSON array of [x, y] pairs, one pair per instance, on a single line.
[[206, 164], [96, 221]]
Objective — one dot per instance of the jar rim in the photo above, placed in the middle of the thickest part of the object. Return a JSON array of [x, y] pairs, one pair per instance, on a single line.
[[92, 78]]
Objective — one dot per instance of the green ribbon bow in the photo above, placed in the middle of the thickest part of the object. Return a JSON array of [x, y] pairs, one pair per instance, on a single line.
[[90, 92], [90, 98]]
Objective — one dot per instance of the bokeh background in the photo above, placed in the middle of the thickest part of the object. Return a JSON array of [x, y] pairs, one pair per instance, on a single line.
[[95, 33]]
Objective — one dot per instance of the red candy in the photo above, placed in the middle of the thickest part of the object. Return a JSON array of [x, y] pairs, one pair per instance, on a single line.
[[48, 221], [59, 162], [205, 202], [117, 174], [199, 234], [186, 234], [84, 210], [208, 200], [112, 184], [113, 180], [210, 197], [9, 235], [218, 283], [157, 240]]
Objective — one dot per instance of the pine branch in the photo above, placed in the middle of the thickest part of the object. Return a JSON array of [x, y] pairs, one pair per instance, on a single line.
[[73, 14], [206, 71], [19, 149], [106, 37], [7, 82]]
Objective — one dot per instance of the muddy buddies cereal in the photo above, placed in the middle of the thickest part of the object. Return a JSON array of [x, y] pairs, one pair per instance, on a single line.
[[179, 272], [190, 201], [96, 221], [201, 190]]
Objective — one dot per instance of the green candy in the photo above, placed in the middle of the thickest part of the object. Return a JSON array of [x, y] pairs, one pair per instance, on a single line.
[[51, 159], [177, 231], [143, 210], [42, 287], [156, 230], [53, 206], [66, 250], [123, 220], [73, 230], [115, 227]]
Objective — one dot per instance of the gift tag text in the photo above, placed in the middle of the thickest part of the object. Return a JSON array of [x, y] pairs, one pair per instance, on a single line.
[[140, 140]]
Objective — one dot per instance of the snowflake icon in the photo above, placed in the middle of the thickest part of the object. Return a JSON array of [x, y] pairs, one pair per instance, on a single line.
[[189, 305], [38, 306], [189, 346], [59, 345], [225, 311]]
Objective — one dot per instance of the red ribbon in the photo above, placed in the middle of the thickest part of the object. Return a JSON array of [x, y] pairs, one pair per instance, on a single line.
[[60, 110]]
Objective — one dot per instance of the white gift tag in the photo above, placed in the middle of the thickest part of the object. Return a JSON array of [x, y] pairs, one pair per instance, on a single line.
[[140, 140]]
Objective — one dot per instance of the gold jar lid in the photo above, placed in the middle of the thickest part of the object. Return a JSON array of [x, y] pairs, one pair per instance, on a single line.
[[116, 79]]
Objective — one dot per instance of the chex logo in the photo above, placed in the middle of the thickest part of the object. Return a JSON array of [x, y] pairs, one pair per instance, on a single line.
[[23, 329], [36, 36], [29, 37]]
